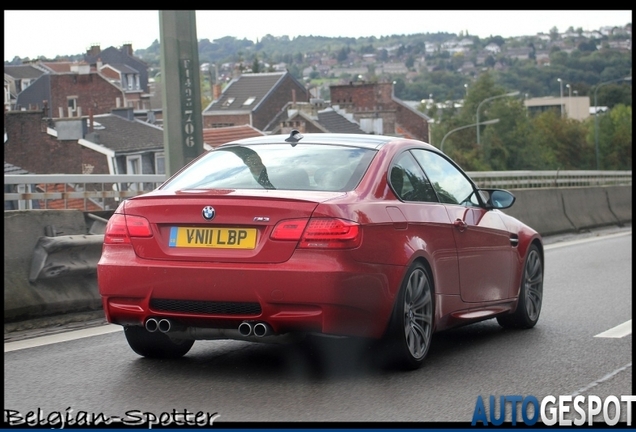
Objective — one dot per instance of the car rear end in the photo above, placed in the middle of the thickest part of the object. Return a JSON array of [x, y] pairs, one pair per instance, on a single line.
[[219, 247]]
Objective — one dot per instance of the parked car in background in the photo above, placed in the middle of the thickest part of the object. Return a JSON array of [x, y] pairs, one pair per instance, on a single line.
[[276, 237]]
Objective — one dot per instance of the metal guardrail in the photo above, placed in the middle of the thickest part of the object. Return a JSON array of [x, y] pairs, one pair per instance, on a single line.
[[549, 179], [79, 191], [104, 192]]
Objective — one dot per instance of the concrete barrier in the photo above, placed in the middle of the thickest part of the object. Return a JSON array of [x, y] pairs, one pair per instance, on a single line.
[[50, 256], [620, 202], [26, 300], [542, 209], [587, 207], [65, 256]]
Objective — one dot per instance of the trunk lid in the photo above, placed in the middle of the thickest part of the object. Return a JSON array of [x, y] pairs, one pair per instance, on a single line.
[[239, 231]]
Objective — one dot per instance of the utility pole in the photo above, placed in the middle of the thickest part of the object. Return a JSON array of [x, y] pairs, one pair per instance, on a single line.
[[181, 95]]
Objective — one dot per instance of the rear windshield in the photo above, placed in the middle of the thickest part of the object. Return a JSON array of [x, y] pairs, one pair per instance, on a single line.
[[276, 166]]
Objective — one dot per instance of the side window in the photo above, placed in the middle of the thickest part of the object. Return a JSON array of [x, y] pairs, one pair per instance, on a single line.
[[408, 180], [449, 182]]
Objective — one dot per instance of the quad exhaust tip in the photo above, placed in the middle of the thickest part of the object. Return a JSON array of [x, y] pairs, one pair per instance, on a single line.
[[259, 329], [262, 329], [245, 328], [164, 325], [152, 325]]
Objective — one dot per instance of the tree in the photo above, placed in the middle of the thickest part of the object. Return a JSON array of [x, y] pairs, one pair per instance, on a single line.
[[614, 137], [554, 33]]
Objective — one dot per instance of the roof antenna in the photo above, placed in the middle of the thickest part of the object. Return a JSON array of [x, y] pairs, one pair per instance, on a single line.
[[294, 137]]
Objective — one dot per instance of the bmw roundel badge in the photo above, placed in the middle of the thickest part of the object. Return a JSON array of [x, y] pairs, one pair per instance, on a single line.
[[208, 213]]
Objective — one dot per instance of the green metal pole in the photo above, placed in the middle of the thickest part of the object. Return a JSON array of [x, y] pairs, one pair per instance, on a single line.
[[181, 89]]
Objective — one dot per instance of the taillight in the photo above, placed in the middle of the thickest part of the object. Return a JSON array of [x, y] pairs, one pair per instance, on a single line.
[[319, 233], [120, 228]]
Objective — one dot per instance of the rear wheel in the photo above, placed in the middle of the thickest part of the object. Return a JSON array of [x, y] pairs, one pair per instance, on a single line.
[[156, 344], [411, 327], [530, 294]]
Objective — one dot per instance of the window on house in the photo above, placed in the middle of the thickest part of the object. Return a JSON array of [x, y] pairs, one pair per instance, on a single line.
[[72, 105], [160, 163], [133, 166], [228, 102], [249, 101]]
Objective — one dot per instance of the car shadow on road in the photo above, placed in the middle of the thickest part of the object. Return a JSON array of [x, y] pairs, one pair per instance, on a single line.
[[320, 358]]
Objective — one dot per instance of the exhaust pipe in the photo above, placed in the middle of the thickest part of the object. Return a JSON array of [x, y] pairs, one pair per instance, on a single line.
[[245, 328], [262, 329], [164, 325], [151, 325]]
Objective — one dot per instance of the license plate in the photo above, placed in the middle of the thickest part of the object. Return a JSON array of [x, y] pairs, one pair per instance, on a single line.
[[217, 238]]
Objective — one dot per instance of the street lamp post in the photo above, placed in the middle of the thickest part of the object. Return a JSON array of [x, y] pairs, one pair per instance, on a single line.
[[569, 111], [488, 122], [486, 100], [561, 95], [598, 86]]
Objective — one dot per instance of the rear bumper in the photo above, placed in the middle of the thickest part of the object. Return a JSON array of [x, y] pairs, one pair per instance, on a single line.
[[312, 292]]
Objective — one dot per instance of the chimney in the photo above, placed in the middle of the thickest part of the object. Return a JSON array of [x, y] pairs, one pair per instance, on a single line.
[[294, 97], [94, 50], [127, 49], [216, 92]]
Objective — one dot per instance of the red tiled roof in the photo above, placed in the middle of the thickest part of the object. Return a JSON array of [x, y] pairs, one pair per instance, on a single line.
[[69, 203], [214, 137]]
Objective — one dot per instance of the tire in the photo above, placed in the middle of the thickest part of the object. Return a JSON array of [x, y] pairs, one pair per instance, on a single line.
[[411, 327], [530, 294], [156, 344]]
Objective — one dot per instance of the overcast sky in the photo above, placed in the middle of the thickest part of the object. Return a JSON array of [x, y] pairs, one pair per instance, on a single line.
[[33, 33]]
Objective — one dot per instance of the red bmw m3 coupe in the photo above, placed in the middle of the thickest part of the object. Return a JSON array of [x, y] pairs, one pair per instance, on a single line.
[[273, 238]]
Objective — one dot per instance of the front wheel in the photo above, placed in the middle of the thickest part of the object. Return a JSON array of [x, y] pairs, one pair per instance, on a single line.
[[530, 294], [411, 327], [156, 344]]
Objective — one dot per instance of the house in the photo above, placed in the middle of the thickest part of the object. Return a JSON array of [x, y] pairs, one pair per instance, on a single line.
[[114, 143], [492, 48], [253, 99], [378, 111], [128, 80], [314, 116], [119, 56], [214, 137], [16, 79], [67, 89], [572, 107], [20, 188]]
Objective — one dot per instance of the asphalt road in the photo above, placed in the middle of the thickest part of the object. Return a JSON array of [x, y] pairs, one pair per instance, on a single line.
[[587, 291]]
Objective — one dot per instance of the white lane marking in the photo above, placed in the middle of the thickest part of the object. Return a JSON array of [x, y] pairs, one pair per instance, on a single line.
[[585, 240], [598, 381], [61, 337], [619, 331]]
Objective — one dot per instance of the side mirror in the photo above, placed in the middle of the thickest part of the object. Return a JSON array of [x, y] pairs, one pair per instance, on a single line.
[[497, 198]]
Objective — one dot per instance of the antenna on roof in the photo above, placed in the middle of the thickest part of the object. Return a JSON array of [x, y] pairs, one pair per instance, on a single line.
[[294, 137]]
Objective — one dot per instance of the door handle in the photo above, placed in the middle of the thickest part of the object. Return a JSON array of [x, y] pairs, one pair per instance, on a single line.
[[460, 225]]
